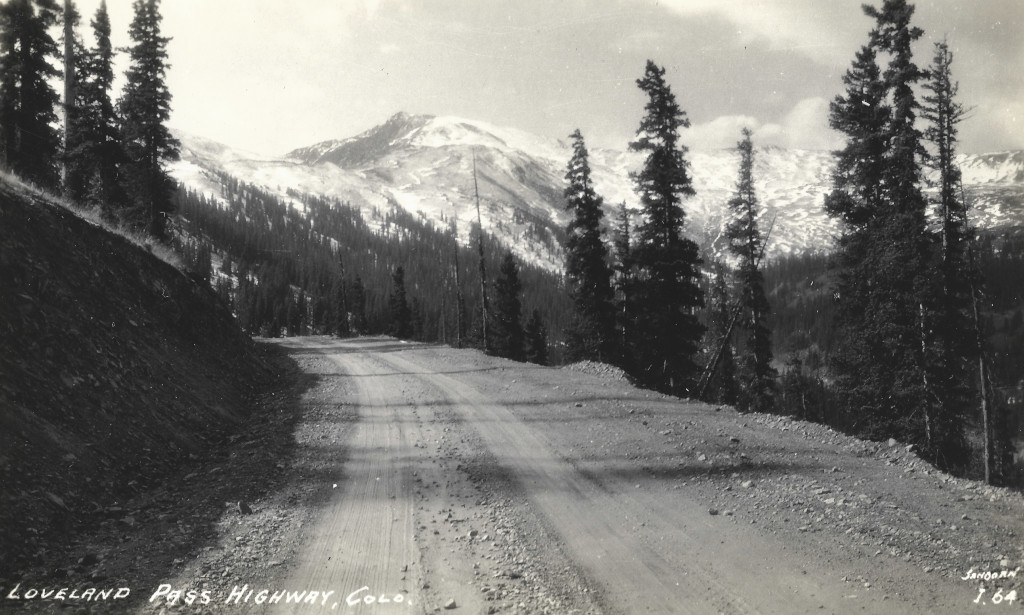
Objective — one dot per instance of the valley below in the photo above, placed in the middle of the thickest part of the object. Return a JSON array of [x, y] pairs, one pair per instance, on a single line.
[[392, 477]]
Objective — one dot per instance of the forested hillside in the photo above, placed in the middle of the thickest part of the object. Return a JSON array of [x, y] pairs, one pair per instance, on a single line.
[[316, 265], [802, 320]]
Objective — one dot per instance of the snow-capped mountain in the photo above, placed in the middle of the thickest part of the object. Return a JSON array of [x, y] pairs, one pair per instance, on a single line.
[[425, 164]]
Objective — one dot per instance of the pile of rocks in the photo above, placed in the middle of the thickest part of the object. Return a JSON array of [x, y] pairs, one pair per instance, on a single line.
[[597, 368]]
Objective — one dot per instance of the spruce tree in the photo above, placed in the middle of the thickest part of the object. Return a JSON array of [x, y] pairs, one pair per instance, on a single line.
[[339, 302], [625, 276], [666, 329], [357, 303], [746, 243], [722, 387], [507, 337], [72, 55], [401, 315], [955, 344], [29, 142], [886, 305], [536, 340], [94, 150], [145, 107], [588, 276]]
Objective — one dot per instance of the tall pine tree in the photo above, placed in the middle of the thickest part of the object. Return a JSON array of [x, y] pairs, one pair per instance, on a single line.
[[145, 107], [357, 303], [955, 346], [746, 243], [722, 386], [507, 336], [536, 340], [29, 141], [666, 329], [339, 302], [94, 152], [624, 277], [401, 314], [591, 334], [886, 300]]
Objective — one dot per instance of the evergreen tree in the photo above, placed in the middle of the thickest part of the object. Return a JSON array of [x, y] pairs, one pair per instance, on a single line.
[[667, 293], [73, 52], [145, 107], [339, 301], [747, 244], [401, 315], [302, 315], [885, 303], [29, 142], [955, 344], [588, 276], [625, 276], [723, 387], [506, 337], [417, 320], [358, 306], [94, 150], [536, 340], [339, 307]]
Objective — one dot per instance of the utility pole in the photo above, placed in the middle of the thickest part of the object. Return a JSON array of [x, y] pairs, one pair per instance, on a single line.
[[483, 265], [458, 285]]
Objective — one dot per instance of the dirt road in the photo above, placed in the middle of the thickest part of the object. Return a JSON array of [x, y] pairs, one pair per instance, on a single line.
[[430, 479]]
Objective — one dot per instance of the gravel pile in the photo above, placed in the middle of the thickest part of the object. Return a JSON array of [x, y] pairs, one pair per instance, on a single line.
[[597, 368]]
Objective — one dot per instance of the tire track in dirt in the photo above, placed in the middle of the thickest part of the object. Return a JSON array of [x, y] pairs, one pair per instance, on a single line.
[[648, 552], [364, 537], [634, 578]]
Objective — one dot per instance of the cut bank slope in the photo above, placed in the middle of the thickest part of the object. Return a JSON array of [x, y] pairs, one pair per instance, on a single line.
[[115, 368]]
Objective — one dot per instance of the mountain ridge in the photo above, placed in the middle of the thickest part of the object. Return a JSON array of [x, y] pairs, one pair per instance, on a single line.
[[424, 164]]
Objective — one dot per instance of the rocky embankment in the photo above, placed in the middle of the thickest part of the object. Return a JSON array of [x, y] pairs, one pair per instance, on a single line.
[[115, 370]]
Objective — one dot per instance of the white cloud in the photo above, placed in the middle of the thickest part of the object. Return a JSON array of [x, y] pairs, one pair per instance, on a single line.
[[804, 127], [794, 25], [997, 122], [720, 133]]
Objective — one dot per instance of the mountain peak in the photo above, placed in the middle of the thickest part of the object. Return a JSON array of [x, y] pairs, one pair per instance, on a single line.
[[408, 131], [364, 147]]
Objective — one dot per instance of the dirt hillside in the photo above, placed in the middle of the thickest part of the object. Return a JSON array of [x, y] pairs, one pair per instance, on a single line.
[[115, 370]]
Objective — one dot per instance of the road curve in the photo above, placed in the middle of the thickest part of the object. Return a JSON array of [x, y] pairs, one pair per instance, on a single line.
[[646, 550]]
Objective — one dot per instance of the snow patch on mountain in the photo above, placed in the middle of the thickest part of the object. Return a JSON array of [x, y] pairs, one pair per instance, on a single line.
[[425, 164]]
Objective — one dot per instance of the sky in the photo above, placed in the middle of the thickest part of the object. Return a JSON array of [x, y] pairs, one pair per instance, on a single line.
[[269, 76]]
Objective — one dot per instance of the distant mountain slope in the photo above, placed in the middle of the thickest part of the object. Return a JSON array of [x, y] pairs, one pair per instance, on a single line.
[[114, 368], [425, 164]]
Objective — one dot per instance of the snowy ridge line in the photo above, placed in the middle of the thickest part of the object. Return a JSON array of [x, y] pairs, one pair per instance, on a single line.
[[423, 164]]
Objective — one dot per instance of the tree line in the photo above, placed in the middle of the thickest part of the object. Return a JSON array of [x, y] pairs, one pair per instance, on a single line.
[[642, 305], [110, 153], [905, 355]]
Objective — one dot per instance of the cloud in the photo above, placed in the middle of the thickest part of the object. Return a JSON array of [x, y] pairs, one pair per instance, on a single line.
[[794, 25], [997, 122], [720, 133], [804, 127]]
